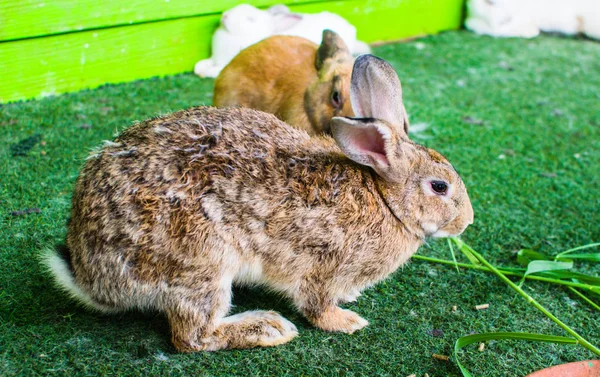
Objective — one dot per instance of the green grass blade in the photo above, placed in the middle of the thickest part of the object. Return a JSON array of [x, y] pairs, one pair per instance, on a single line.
[[557, 278], [588, 246], [453, 255], [466, 250], [593, 282], [538, 266], [537, 305], [592, 257], [478, 338], [585, 298], [525, 256]]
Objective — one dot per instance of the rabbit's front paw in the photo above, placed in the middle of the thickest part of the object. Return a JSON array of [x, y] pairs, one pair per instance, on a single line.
[[342, 320]]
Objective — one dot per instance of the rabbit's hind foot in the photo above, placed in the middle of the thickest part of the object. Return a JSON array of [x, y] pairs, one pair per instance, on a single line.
[[244, 330], [255, 329]]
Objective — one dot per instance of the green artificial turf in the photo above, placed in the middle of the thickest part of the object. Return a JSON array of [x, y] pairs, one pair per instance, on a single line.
[[519, 119]]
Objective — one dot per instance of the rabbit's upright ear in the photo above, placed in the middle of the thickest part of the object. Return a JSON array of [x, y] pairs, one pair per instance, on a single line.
[[331, 44], [278, 9], [375, 143], [375, 92], [284, 20]]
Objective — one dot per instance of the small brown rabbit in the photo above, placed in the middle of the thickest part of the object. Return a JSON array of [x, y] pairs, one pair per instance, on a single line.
[[178, 208], [302, 83]]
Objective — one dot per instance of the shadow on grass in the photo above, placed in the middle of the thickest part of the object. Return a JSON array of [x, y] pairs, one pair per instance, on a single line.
[[134, 332]]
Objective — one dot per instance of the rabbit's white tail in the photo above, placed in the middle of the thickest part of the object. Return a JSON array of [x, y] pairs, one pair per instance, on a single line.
[[60, 270]]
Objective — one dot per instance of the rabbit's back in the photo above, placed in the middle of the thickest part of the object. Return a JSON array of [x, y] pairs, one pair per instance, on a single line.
[[180, 158], [162, 167], [164, 150], [270, 76]]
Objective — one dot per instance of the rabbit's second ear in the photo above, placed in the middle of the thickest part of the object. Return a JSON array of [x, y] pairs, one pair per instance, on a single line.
[[279, 9], [331, 44], [284, 21], [375, 92], [367, 141]]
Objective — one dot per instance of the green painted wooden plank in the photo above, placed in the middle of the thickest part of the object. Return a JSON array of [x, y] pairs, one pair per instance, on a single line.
[[33, 68], [63, 63], [32, 18], [389, 20]]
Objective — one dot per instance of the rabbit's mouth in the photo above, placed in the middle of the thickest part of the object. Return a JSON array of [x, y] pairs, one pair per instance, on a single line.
[[445, 230], [432, 230], [440, 233], [450, 229]]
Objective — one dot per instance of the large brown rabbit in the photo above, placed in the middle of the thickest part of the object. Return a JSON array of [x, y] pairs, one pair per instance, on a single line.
[[302, 83], [178, 208]]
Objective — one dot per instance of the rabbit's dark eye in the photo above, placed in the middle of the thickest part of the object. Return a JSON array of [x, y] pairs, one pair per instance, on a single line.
[[440, 187], [336, 99]]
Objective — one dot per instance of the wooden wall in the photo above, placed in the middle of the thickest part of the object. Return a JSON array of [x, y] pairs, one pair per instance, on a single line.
[[56, 46]]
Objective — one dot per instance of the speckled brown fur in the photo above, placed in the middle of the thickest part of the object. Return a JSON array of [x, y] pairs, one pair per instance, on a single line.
[[178, 208], [292, 78]]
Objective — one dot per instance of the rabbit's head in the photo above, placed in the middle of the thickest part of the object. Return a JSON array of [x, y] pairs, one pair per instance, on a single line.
[[420, 187], [245, 18], [329, 96]]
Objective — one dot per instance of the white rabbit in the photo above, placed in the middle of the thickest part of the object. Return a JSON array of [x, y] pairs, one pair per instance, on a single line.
[[240, 27], [245, 25], [526, 18], [311, 27]]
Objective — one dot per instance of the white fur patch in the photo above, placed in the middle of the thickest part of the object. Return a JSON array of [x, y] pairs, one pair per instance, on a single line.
[[249, 273], [385, 132], [162, 130], [63, 277], [108, 143], [429, 228], [440, 234], [213, 209], [175, 195]]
